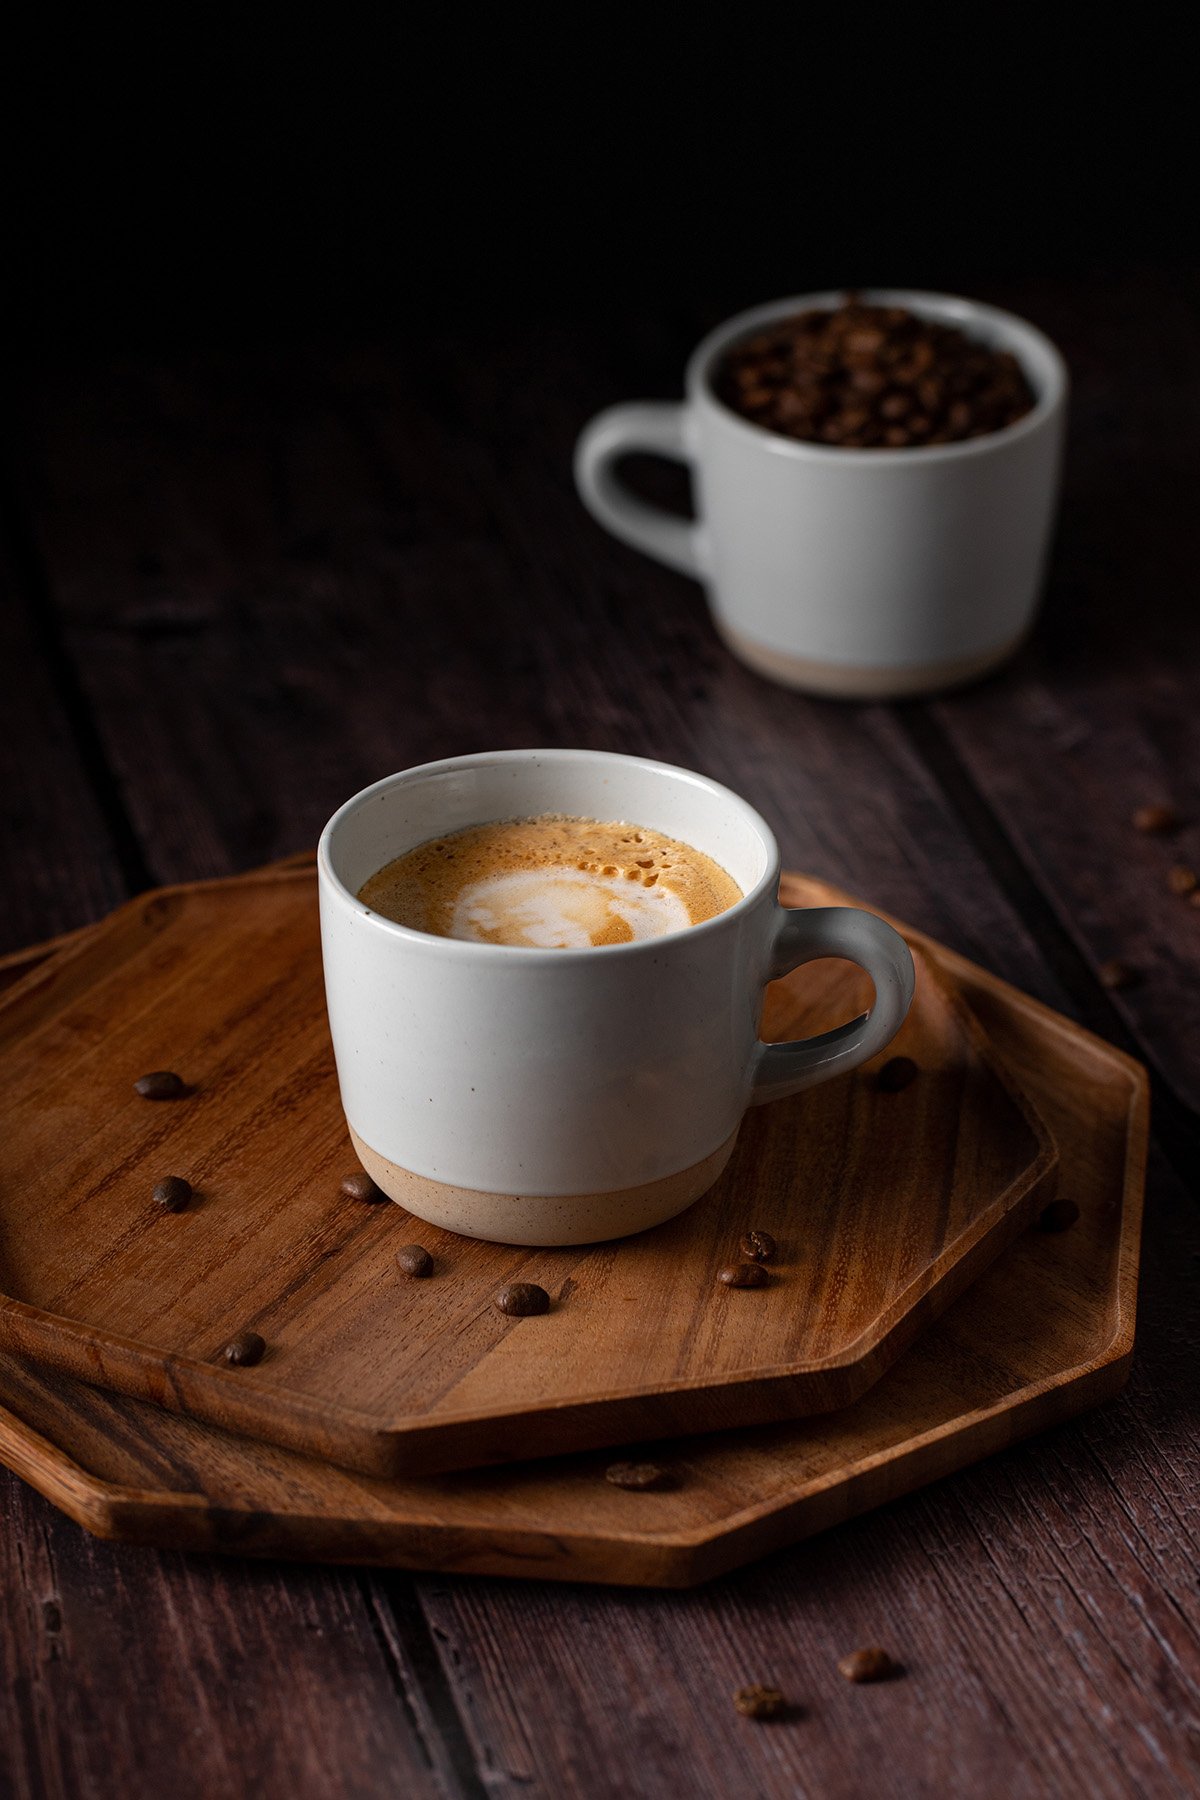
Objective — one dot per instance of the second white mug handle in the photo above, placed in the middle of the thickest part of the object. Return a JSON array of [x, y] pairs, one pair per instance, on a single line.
[[657, 427]]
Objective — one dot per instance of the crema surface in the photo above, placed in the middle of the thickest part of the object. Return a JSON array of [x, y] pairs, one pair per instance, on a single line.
[[551, 883]]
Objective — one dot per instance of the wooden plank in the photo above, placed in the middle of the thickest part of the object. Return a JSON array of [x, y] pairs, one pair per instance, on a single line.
[[319, 571], [1100, 715], [853, 793], [151, 1672], [61, 862], [363, 563], [1043, 1606]]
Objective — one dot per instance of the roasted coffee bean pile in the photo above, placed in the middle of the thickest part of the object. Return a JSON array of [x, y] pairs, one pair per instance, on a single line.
[[872, 378]]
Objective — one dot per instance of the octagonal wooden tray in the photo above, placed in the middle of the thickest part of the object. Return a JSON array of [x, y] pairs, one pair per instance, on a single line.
[[1047, 1331], [886, 1206]]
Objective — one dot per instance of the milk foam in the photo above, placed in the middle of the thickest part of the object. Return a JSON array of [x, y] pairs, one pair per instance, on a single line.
[[565, 909], [553, 882]]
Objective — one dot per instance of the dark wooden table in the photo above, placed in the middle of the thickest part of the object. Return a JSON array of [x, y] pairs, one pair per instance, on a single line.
[[240, 587]]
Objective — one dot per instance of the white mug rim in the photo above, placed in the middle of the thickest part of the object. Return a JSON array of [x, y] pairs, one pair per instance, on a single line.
[[428, 943], [1017, 334]]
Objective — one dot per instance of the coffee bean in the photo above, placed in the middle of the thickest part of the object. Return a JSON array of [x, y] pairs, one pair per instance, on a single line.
[[872, 365], [1157, 820], [757, 1702], [359, 1186], [1116, 975], [415, 1260], [244, 1350], [1060, 1215], [173, 1192], [743, 1275], [1182, 881], [522, 1299], [160, 1084], [896, 1074], [867, 1665], [868, 381], [759, 1246], [639, 1477]]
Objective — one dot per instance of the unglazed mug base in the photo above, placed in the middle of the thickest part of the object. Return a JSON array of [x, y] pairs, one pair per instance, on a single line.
[[853, 681], [543, 1220]]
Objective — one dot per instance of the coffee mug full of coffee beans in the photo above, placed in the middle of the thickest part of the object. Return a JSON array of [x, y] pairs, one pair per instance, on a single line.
[[875, 479], [544, 972]]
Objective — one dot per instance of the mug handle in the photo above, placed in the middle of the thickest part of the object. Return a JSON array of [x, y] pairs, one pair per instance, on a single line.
[[661, 429], [806, 935]]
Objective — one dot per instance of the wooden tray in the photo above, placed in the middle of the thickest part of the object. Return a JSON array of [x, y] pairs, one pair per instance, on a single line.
[[886, 1205], [1046, 1332]]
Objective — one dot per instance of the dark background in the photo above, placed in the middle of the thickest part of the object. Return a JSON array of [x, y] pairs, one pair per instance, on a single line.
[[183, 183]]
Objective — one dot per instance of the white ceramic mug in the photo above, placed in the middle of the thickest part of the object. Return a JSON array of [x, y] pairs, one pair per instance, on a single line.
[[565, 1096], [864, 574]]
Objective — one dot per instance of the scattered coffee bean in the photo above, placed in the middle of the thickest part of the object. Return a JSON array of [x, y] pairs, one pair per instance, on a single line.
[[759, 1246], [1060, 1215], [160, 1084], [1156, 820], [1182, 880], [1194, 899], [743, 1274], [639, 1477], [522, 1299], [867, 1665], [872, 377], [896, 1074], [415, 1260], [359, 1186], [173, 1192], [244, 1350], [757, 1702], [1117, 975]]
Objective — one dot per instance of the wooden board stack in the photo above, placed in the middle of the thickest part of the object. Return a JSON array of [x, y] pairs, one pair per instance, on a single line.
[[886, 1206]]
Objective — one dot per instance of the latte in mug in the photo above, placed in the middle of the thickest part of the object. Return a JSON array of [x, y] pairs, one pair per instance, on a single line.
[[571, 1096], [554, 882]]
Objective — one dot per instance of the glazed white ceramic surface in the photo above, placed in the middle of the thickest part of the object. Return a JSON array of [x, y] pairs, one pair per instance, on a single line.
[[860, 572], [527, 1072]]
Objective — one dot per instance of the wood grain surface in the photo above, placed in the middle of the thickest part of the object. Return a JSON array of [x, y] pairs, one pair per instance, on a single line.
[[1046, 1332], [885, 1207], [244, 584]]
